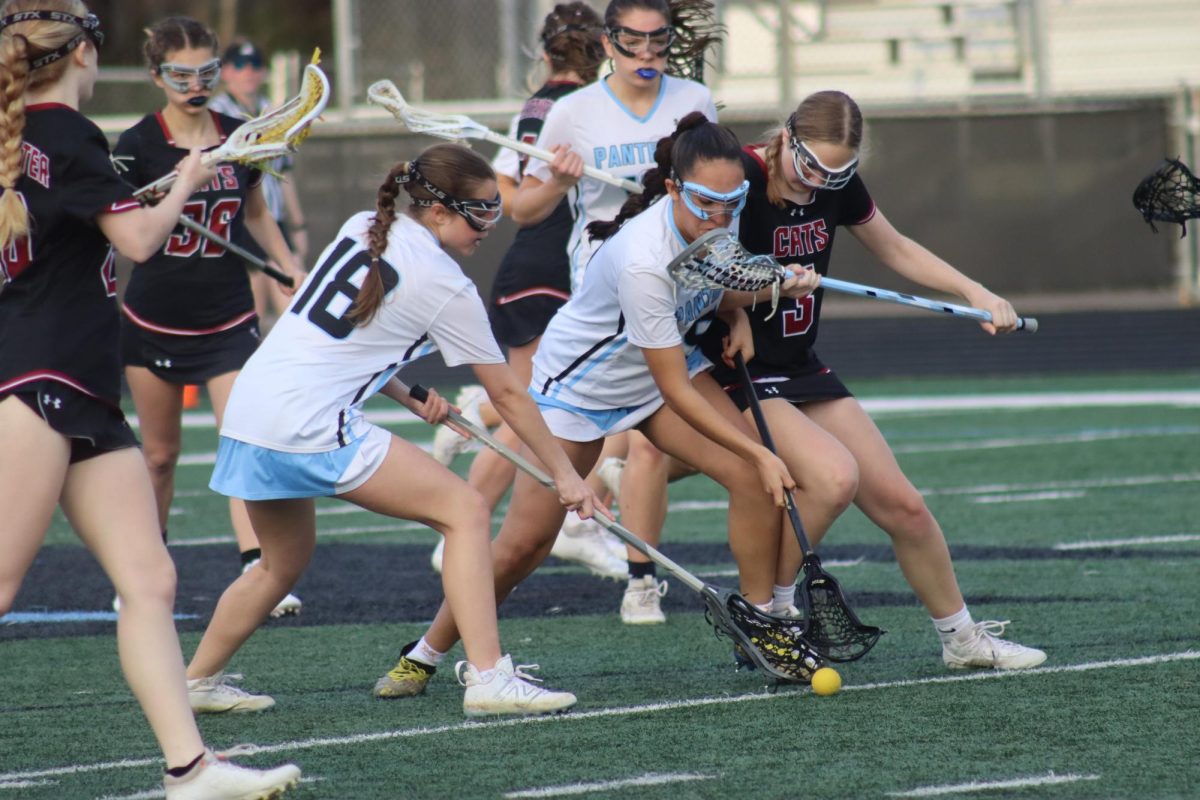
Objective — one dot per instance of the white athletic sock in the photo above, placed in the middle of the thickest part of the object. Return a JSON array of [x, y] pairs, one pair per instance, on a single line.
[[952, 626], [425, 653], [782, 597], [764, 607]]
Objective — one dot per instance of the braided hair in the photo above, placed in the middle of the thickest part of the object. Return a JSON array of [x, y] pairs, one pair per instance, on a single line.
[[571, 38], [20, 42], [695, 139], [452, 168]]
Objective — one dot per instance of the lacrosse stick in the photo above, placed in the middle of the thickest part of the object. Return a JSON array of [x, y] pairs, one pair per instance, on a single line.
[[1168, 195], [1027, 324], [274, 134], [237, 250], [457, 127], [829, 623], [775, 644]]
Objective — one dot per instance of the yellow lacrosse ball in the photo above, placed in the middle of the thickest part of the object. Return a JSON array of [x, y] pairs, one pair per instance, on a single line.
[[826, 681]]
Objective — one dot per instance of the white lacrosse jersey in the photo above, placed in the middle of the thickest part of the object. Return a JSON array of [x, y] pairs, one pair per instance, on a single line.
[[302, 391], [609, 137], [591, 356]]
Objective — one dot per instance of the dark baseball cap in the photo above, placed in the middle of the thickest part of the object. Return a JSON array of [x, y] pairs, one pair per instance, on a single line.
[[243, 54]]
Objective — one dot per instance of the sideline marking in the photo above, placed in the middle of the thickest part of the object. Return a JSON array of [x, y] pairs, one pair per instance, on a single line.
[[602, 713], [1028, 497], [1102, 544], [1048, 779], [649, 779]]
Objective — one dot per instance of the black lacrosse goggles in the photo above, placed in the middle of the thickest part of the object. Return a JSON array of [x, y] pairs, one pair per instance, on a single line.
[[807, 163], [1168, 195], [481, 215], [89, 29], [179, 76], [631, 43]]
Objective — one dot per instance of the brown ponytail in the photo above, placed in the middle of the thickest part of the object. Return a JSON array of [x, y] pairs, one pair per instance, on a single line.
[[571, 39]]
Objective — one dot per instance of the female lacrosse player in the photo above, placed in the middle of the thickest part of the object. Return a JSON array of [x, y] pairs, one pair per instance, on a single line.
[[65, 439], [614, 125], [534, 278], [803, 185], [189, 311], [616, 357], [384, 293]]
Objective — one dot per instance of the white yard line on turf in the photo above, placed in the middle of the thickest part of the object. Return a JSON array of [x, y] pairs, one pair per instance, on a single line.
[[835, 562], [1079, 437], [1104, 544], [1027, 497], [25, 784], [622, 711], [1048, 779], [972, 402], [649, 779]]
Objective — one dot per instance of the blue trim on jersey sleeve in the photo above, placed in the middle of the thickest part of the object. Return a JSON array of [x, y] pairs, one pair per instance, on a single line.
[[662, 91]]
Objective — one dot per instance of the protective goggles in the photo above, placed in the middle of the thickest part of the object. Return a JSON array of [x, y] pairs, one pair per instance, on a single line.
[[181, 78], [479, 214], [630, 43], [816, 175], [89, 25], [705, 204]]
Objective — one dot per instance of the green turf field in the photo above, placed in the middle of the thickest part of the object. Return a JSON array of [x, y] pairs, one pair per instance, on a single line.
[[1074, 517]]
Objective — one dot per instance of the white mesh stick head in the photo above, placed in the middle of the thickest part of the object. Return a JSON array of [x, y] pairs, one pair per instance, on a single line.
[[280, 131], [454, 127], [717, 260]]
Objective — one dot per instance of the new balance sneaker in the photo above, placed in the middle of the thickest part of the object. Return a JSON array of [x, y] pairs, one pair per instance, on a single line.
[[216, 695], [981, 646], [214, 778], [641, 604], [446, 442], [610, 471], [584, 542], [507, 690], [288, 606], [439, 552], [407, 679]]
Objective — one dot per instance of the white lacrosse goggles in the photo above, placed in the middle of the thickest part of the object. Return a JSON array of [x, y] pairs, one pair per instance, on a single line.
[[806, 163], [181, 77], [705, 204]]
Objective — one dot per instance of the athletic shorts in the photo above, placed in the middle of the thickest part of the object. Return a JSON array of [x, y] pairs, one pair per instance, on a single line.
[[188, 359], [819, 384], [519, 318], [252, 472], [575, 424], [92, 426]]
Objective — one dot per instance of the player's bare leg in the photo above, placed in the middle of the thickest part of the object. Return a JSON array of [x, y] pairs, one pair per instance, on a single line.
[[159, 407]]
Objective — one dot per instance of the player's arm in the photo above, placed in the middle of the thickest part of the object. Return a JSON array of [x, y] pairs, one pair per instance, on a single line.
[[917, 263], [535, 199], [265, 230], [297, 225], [668, 367], [139, 233]]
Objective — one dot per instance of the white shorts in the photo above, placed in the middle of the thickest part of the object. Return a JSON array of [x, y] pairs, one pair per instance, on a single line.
[[251, 472], [576, 424]]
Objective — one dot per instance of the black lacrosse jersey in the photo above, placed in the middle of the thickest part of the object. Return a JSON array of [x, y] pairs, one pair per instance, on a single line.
[[537, 258], [794, 234], [58, 306], [191, 286]]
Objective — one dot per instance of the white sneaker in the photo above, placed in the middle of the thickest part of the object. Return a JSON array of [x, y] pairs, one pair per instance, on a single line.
[[216, 695], [435, 559], [446, 442], [981, 646], [583, 542], [288, 606], [641, 605], [610, 471], [507, 690], [217, 779]]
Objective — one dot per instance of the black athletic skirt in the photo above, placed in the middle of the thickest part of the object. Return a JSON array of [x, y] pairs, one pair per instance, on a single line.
[[93, 426], [188, 359]]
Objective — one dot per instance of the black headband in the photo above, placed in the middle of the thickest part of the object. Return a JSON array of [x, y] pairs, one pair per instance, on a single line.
[[89, 25], [570, 26]]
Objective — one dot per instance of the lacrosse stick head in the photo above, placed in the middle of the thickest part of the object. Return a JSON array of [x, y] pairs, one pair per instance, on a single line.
[[281, 131], [1168, 195], [453, 127], [717, 260], [776, 645], [829, 623]]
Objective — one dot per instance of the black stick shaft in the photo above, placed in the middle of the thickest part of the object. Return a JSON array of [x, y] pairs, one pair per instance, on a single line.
[[761, 422]]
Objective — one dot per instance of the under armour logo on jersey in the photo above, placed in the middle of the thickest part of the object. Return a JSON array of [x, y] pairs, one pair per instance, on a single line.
[[770, 390], [118, 162], [162, 363], [50, 400]]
